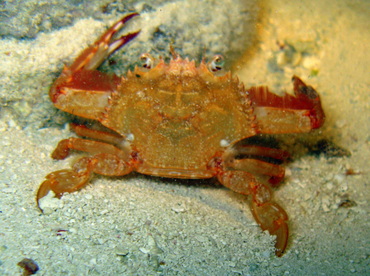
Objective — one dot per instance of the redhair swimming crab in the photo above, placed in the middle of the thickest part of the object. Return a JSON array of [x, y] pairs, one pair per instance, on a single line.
[[178, 120]]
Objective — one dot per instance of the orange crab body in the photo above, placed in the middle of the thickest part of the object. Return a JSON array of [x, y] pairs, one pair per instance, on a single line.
[[184, 114], [178, 120]]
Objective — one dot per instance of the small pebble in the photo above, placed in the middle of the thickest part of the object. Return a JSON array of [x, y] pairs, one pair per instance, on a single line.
[[30, 266]]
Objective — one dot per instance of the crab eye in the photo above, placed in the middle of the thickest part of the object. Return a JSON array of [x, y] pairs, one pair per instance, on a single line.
[[146, 62], [216, 64]]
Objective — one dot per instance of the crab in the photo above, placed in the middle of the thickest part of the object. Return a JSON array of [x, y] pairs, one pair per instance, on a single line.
[[178, 120]]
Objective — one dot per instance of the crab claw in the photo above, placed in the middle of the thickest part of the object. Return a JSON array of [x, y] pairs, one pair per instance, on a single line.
[[308, 94], [69, 91], [297, 114], [93, 56]]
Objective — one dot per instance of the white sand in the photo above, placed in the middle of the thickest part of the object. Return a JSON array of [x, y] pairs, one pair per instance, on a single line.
[[139, 225]]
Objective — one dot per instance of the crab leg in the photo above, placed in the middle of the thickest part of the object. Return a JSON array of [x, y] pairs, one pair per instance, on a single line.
[[246, 158], [252, 150], [84, 131], [268, 214], [287, 114], [106, 160], [94, 147], [275, 172]]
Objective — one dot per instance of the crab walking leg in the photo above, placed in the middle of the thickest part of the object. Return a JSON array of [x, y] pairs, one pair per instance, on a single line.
[[275, 172], [287, 114], [64, 146], [268, 214], [71, 180], [84, 131], [250, 162], [107, 160], [252, 150]]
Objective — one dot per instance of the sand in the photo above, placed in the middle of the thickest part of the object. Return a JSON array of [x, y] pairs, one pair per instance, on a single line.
[[139, 225]]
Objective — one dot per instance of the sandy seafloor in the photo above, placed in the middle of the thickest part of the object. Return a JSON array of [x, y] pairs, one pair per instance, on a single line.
[[139, 225]]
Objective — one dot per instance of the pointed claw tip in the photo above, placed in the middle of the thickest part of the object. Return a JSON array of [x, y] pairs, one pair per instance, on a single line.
[[279, 253], [297, 81], [129, 16], [131, 36], [38, 206]]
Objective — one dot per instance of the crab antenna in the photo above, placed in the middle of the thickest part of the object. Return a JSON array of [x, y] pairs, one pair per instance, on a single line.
[[204, 54], [173, 52]]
